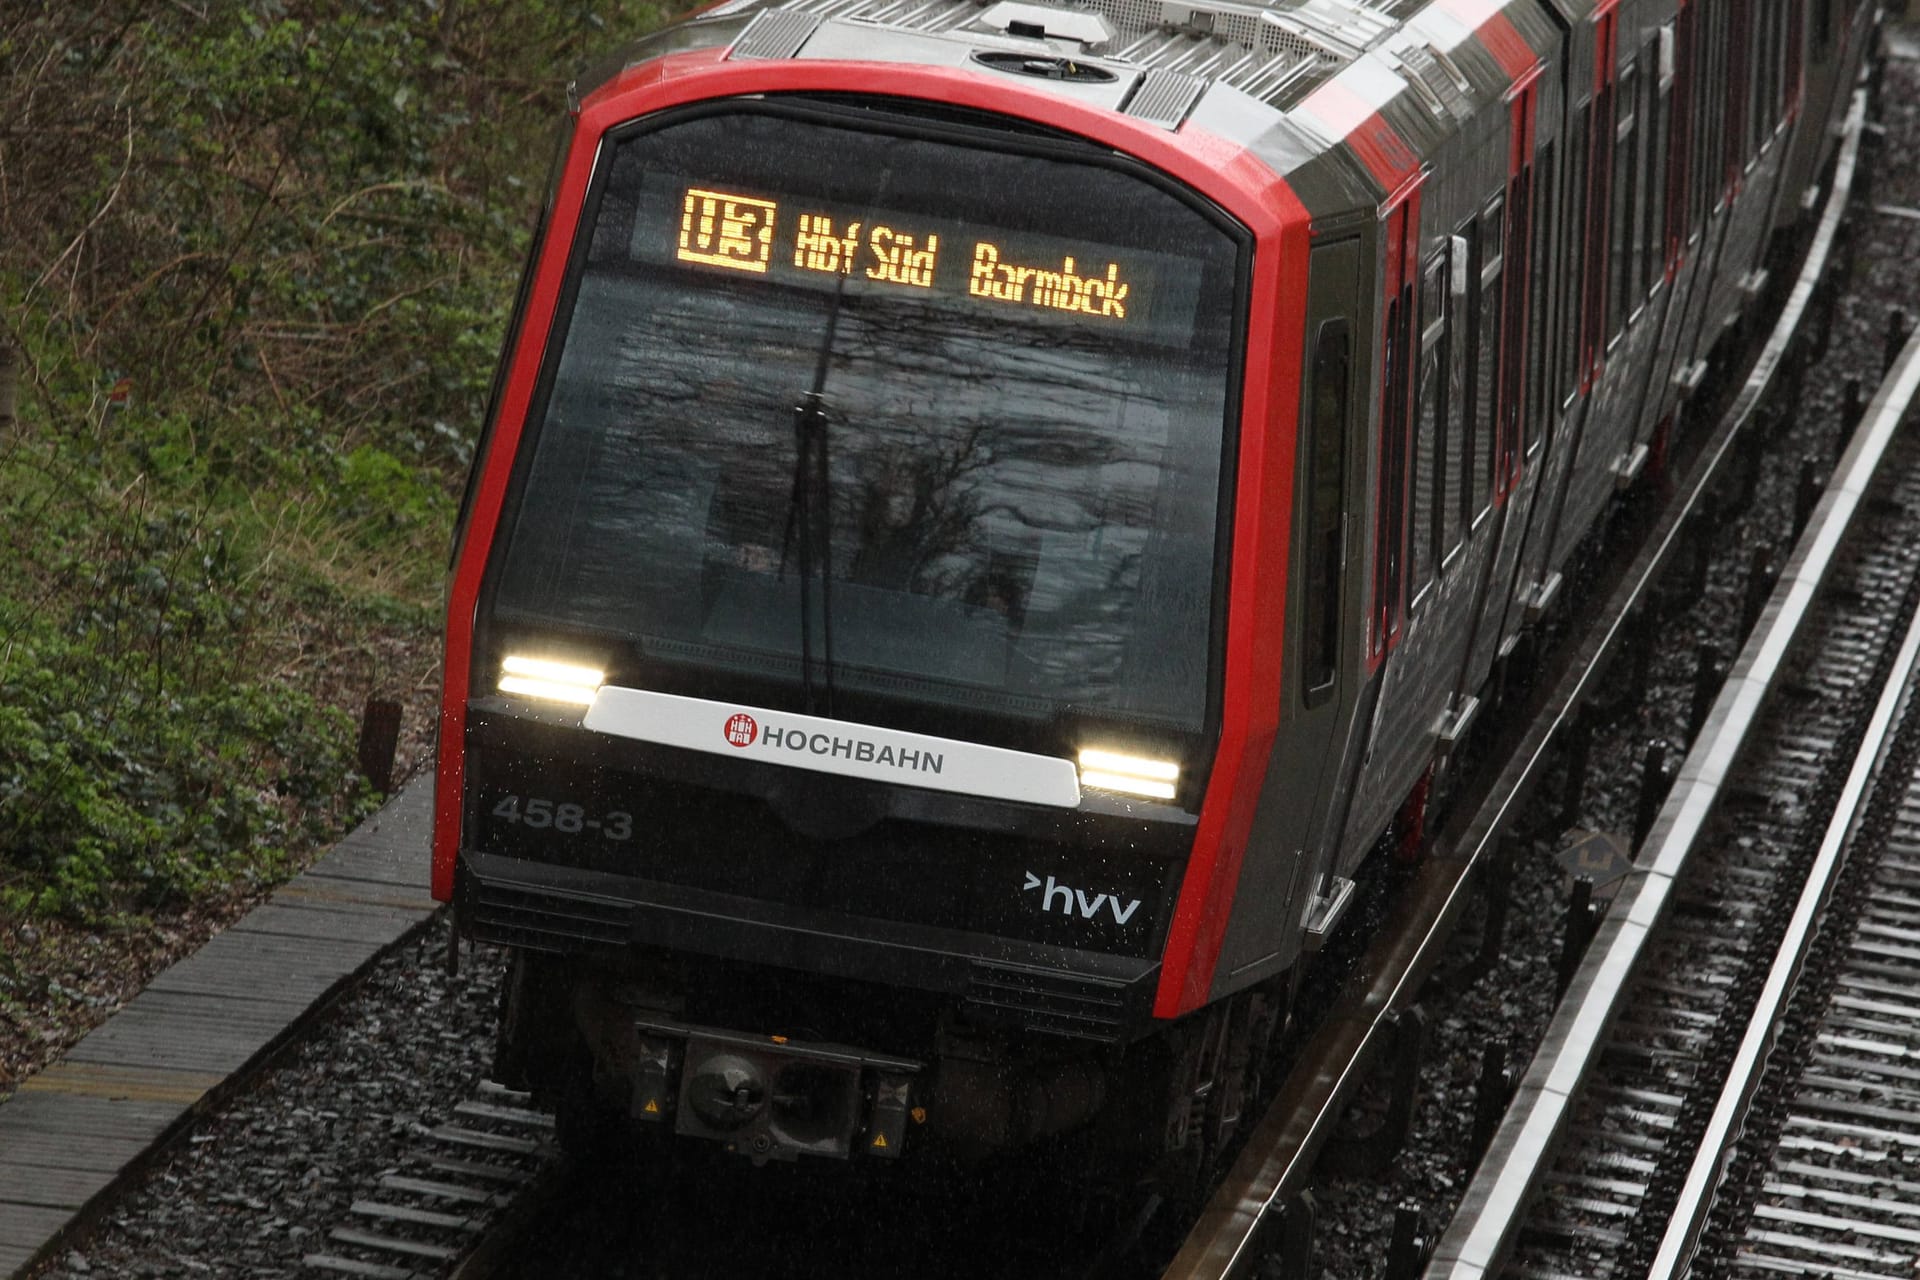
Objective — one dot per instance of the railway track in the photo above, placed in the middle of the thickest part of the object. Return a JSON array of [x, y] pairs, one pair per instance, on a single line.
[[472, 1177], [1747, 1009]]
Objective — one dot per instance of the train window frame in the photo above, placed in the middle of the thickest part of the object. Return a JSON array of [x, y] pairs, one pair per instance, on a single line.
[[1539, 421], [1399, 377], [1429, 442], [1452, 467], [1487, 280], [1320, 595], [1678, 233], [1621, 205], [1604, 132], [1663, 132], [1739, 96], [982, 129], [1569, 358], [1718, 185], [1512, 422]]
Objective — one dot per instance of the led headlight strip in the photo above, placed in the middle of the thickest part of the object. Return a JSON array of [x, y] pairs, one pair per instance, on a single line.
[[553, 681], [1111, 771]]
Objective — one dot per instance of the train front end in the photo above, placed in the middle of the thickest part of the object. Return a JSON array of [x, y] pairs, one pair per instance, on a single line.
[[847, 716]]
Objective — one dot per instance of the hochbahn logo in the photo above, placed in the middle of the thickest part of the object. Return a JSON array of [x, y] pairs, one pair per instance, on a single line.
[[741, 729]]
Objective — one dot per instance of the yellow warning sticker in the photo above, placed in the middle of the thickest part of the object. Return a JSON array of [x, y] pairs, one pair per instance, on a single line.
[[880, 1140], [652, 1108]]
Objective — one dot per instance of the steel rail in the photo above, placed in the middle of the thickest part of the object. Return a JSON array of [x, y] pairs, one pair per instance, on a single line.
[[1477, 1241], [1278, 1159], [1698, 1192]]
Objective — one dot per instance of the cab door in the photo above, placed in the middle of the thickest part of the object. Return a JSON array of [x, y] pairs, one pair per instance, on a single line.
[[1353, 534], [1324, 662]]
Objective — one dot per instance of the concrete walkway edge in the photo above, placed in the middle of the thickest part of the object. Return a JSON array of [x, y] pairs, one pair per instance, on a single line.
[[78, 1131]]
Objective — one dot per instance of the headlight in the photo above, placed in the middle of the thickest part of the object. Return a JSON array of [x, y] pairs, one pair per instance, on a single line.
[[554, 681], [1136, 775]]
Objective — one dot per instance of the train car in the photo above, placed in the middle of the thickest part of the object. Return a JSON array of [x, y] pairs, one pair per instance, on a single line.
[[991, 511]]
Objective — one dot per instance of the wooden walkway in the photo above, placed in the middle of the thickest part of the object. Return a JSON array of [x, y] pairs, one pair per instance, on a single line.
[[75, 1130]]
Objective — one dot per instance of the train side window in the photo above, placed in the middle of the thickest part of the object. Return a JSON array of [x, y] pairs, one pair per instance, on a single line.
[[1573, 236], [1662, 142], [1766, 77], [1620, 220], [1390, 554], [1539, 326], [1713, 116], [1703, 150], [1599, 186], [1739, 105], [1766, 83], [1776, 73], [1452, 480], [1326, 504], [1680, 147], [1428, 488], [1483, 342], [1793, 58], [1511, 416]]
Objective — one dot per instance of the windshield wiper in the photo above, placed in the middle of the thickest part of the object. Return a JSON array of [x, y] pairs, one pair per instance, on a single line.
[[812, 488]]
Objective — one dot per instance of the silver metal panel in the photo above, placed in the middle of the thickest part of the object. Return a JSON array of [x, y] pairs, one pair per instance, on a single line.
[[1165, 97], [1262, 49], [775, 34], [858, 42], [1090, 30]]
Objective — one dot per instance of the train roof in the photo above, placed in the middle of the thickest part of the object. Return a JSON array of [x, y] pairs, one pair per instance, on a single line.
[[1275, 51], [1345, 99]]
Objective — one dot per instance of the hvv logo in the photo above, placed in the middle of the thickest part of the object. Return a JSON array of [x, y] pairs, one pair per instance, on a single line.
[[1072, 899]]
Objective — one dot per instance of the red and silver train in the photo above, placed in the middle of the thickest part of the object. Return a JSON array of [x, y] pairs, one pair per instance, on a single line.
[[990, 511]]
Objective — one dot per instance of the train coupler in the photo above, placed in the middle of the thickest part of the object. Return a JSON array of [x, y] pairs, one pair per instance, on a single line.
[[765, 1097]]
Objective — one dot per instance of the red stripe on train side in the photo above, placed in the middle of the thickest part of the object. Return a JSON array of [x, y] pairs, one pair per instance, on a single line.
[[1491, 26], [1347, 116], [1256, 611], [1509, 48]]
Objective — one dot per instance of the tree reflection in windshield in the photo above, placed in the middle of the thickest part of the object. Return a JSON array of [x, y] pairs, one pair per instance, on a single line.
[[1022, 516]]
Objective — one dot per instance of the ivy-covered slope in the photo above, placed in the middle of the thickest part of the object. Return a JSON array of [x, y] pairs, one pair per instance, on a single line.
[[255, 261]]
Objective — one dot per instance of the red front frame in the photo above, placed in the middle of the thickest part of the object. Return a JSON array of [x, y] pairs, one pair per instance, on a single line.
[[1219, 169]]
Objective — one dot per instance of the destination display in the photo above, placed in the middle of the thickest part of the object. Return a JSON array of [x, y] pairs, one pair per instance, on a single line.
[[1052, 278]]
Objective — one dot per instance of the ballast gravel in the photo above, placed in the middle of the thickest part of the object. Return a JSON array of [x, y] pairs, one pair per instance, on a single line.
[[260, 1181]]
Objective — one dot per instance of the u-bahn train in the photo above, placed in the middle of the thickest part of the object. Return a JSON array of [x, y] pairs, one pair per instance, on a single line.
[[991, 510]]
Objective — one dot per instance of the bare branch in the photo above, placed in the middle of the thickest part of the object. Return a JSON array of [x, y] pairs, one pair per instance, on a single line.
[[112, 195]]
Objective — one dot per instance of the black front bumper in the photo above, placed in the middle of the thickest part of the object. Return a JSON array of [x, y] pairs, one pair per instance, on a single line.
[[1050, 990]]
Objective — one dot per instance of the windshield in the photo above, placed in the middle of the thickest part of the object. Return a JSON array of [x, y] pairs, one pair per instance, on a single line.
[[842, 409]]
